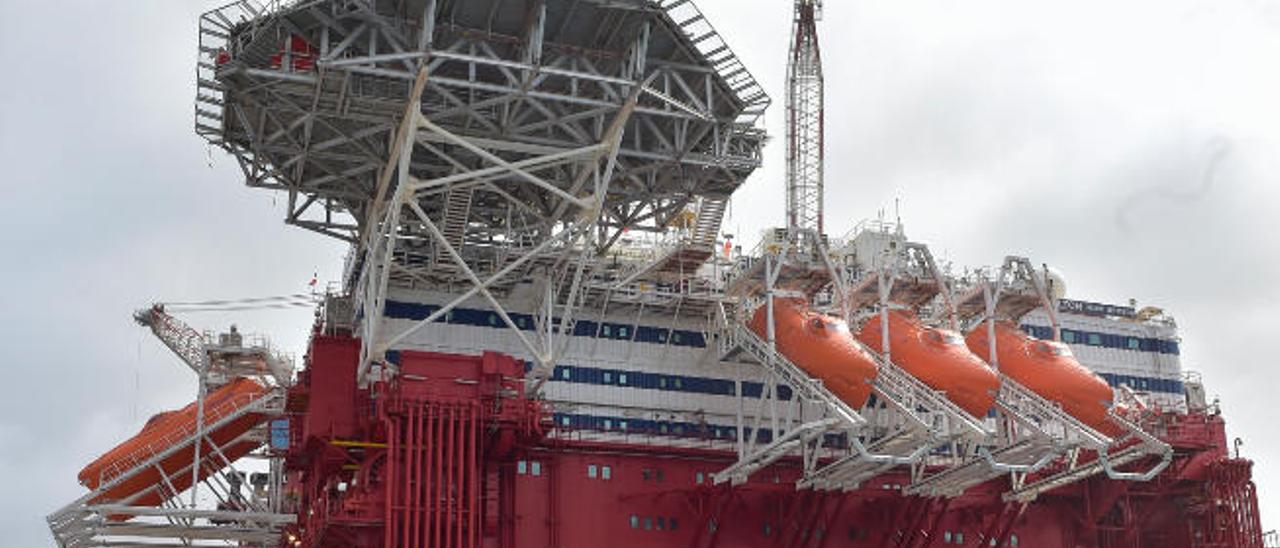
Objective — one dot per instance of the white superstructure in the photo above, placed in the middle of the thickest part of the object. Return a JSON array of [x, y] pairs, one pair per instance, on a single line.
[[649, 373], [1126, 347]]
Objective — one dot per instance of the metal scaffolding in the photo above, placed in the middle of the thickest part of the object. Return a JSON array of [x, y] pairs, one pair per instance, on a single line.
[[193, 458], [805, 121], [495, 154], [469, 147]]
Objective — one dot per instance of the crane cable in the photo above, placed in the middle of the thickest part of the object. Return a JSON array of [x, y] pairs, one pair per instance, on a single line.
[[278, 302]]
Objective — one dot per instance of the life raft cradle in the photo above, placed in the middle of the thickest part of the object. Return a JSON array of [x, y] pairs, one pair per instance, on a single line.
[[927, 420], [86, 521]]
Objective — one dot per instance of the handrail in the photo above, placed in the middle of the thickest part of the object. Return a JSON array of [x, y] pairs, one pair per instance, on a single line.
[[708, 42], [887, 458], [227, 410], [1004, 467], [214, 38], [891, 374], [1148, 441], [739, 334], [75, 521], [1165, 459], [1091, 438]]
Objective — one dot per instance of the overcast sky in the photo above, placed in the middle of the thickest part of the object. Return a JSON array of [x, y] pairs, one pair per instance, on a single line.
[[1130, 144]]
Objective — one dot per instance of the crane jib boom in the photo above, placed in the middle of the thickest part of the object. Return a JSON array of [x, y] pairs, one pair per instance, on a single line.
[[181, 338], [805, 122]]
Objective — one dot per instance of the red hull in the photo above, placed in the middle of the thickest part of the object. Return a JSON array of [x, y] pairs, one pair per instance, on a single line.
[[448, 457]]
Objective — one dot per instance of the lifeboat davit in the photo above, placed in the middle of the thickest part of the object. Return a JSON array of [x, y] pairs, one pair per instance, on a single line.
[[939, 358], [822, 346], [1049, 369], [161, 432]]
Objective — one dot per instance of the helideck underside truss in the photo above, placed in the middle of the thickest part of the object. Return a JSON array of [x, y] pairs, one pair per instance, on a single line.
[[309, 97], [469, 146]]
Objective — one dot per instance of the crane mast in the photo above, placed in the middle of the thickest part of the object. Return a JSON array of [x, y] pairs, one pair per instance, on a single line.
[[804, 123]]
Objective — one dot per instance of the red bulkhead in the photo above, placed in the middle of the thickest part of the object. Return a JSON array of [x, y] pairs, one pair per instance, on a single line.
[[822, 346], [938, 357]]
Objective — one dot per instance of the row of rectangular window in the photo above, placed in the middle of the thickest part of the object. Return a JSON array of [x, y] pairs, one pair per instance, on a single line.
[[568, 421], [1105, 340], [1145, 384], [723, 387], [581, 328], [603, 472], [650, 523], [659, 381], [679, 337]]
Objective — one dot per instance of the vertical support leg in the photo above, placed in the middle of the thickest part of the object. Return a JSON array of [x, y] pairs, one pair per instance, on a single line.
[[195, 447]]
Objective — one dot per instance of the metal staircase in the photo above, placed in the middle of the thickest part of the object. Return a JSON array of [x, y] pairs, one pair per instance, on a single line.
[[707, 226], [453, 224], [682, 260], [88, 520]]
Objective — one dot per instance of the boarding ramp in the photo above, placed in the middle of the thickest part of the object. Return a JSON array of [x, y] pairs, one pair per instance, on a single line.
[[1038, 435]]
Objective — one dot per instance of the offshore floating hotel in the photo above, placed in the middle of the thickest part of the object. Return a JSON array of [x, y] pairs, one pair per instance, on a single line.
[[543, 338]]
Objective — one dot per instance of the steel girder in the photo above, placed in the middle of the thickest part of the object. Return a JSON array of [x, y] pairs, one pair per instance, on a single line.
[[307, 95]]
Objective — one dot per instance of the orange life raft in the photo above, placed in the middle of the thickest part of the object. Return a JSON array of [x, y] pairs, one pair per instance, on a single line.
[[822, 346], [160, 433], [938, 358], [1049, 369]]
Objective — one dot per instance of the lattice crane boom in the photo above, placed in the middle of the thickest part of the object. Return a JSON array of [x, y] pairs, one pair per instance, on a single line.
[[804, 121], [181, 338]]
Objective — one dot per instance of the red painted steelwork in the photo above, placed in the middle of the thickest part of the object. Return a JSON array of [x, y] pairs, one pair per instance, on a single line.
[[413, 462], [450, 455]]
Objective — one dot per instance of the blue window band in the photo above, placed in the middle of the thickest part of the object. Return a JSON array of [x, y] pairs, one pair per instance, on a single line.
[[1105, 340]]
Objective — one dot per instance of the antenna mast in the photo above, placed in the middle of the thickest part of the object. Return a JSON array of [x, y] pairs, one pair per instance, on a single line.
[[804, 123]]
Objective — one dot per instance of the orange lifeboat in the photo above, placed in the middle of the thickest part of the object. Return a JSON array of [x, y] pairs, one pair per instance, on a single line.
[[938, 358], [1048, 369], [161, 432], [822, 346]]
